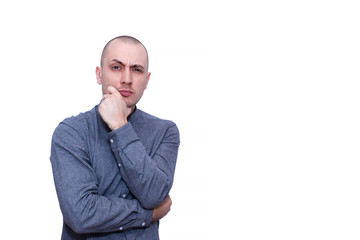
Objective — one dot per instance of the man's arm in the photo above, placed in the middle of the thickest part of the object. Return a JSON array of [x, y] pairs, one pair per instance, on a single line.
[[84, 210], [149, 179]]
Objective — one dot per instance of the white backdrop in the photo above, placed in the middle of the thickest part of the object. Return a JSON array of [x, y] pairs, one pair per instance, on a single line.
[[265, 94]]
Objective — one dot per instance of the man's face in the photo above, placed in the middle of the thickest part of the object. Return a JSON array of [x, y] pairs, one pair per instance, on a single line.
[[125, 68]]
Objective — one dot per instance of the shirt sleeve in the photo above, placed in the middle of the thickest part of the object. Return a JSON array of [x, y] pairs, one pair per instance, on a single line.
[[149, 179], [83, 209]]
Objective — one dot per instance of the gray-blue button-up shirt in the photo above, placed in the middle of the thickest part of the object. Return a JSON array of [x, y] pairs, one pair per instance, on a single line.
[[109, 182]]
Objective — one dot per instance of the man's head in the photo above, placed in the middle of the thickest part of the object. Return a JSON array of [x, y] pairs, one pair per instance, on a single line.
[[124, 65]]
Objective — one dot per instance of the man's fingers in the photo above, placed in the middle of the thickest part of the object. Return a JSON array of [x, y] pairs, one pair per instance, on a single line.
[[112, 90]]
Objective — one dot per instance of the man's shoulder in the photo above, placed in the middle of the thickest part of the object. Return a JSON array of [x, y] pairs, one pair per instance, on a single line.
[[81, 118], [79, 122], [147, 124], [142, 116]]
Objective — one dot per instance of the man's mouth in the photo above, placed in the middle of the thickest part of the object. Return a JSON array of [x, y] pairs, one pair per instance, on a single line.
[[125, 92]]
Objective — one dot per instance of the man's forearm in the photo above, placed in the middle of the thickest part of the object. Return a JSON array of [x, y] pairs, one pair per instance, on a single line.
[[149, 179]]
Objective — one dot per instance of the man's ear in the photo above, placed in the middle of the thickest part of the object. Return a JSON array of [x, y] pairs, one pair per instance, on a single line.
[[147, 79], [98, 75]]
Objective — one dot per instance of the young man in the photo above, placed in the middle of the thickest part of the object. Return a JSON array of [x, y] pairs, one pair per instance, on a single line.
[[114, 165]]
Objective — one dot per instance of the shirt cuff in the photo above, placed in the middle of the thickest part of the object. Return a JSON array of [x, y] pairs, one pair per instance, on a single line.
[[122, 137], [143, 220]]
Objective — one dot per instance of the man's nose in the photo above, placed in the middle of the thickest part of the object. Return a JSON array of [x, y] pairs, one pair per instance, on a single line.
[[127, 77]]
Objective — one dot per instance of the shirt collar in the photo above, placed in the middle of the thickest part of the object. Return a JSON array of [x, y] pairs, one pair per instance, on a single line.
[[134, 115]]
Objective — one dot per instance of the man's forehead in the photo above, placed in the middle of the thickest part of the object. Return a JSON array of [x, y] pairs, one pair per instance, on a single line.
[[118, 44], [124, 49]]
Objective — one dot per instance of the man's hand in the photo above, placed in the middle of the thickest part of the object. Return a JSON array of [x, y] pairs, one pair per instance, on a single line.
[[113, 109], [161, 210]]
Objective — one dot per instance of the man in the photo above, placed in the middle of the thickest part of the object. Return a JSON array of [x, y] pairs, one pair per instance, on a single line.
[[114, 165]]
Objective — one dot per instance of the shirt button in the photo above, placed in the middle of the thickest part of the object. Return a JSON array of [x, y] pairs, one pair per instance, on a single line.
[[119, 164], [121, 228], [124, 195], [111, 140], [143, 224]]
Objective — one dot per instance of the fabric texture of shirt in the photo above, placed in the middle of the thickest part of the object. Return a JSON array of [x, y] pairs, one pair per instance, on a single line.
[[109, 182]]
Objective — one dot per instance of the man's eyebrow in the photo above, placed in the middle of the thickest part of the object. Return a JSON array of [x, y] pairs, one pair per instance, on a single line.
[[118, 61], [132, 66], [137, 66]]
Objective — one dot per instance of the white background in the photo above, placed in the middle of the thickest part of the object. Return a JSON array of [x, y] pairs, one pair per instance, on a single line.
[[265, 94]]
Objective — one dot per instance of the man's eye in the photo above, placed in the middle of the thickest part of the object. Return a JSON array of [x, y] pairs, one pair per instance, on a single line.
[[137, 70], [116, 67]]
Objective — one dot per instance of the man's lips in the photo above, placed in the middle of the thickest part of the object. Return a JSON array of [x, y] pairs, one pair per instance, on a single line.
[[125, 92]]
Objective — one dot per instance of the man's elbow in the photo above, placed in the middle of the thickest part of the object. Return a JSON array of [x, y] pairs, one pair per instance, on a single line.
[[150, 204], [81, 227], [154, 199], [81, 220], [78, 228]]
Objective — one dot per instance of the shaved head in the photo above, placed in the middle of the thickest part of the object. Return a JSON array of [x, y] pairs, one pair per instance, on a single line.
[[127, 39], [124, 66]]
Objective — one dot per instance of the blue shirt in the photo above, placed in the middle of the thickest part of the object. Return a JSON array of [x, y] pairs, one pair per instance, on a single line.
[[109, 182]]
